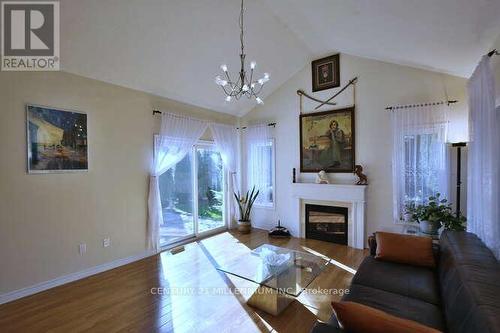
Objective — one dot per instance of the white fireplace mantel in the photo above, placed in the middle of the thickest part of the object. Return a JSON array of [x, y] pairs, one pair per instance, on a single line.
[[341, 195]]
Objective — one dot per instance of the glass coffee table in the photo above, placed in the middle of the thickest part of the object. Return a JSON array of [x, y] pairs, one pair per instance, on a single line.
[[282, 274]]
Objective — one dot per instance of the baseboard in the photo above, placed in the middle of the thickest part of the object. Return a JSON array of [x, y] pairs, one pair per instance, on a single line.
[[39, 287]]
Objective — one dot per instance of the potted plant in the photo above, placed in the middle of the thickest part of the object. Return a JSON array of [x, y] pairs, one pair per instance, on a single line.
[[435, 214], [409, 211], [245, 204]]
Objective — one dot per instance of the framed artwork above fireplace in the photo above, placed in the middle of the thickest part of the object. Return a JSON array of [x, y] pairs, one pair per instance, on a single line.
[[327, 141]]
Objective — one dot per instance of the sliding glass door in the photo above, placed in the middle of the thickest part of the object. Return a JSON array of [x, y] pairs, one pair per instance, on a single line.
[[192, 196], [210, 188]]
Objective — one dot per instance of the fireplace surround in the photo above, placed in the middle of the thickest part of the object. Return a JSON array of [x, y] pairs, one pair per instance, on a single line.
[[351, 197]]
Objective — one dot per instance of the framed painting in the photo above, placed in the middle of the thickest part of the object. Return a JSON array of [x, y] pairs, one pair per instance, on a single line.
[[56, 140], [325, 73], [327, 141]]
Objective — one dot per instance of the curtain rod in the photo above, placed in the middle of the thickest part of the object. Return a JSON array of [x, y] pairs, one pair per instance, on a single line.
[[411, 106], [493, 52], [156, 111], [245, 127]]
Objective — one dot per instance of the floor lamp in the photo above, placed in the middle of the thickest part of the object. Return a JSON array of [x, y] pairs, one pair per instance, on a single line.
[[459, 146]]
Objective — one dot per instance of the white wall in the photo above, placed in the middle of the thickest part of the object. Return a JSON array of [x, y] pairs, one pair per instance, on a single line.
[[43, 217], [379, 85]]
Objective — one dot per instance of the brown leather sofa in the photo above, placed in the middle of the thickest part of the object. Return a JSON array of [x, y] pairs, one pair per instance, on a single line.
[[461, 295]]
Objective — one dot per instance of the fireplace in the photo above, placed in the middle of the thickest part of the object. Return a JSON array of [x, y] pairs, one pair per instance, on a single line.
[[326, 223]]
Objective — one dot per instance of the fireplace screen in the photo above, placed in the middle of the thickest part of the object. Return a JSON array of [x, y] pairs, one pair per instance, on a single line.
[[327, 223]]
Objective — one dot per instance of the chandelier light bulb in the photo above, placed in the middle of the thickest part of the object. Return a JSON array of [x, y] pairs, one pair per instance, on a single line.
[[252, 85], [259, 100], [228, 98], [224, 68], [264, 79], [220, 81], [253, 64], [245, 87]]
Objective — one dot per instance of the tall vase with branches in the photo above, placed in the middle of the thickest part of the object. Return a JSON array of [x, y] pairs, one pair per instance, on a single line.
[[245, 204]]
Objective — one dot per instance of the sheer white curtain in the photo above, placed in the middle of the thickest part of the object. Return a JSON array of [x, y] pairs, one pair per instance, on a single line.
[[420, 158], [226, 142], [177, 136], [483, 181], [259, 162]]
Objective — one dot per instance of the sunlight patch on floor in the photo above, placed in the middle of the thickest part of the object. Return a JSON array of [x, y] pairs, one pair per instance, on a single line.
[[332, 261]]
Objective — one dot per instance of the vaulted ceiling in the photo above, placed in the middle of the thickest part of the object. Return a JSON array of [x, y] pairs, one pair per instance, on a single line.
[[173, 48]]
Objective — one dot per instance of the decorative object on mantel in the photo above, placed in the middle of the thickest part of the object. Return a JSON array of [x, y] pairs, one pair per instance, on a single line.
[[327, 141], [245, 206], [279, 231], [325, 73], [362, 179], [244, 85], [322, 178]]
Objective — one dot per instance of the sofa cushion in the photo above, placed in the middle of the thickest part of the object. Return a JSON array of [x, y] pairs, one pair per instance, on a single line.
[[405, 249], [406, 280], [398, 305], [470, 284], [358, 318]]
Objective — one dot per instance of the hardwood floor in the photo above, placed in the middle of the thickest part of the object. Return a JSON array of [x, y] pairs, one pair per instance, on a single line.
[[121, 300]]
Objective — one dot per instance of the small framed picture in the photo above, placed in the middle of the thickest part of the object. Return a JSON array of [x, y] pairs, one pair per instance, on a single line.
[[56, 140], [325, 73]]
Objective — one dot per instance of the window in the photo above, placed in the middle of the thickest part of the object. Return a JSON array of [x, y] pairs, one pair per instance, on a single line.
[[424, 164], [419, 156], [261, 165], [192, 195], [421, 172]]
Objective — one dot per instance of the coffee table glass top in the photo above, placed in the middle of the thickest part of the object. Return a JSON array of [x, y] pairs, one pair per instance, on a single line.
[[285, 270]]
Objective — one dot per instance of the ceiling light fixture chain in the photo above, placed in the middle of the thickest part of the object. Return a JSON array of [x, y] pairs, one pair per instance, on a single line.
[[244, 86]]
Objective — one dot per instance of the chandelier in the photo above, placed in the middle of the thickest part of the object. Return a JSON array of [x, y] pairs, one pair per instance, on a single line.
[[245, 85]]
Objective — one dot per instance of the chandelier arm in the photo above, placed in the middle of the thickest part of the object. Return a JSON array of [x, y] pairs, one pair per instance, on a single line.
[[251, 77], [239, 83], [260, 89], [224, 88]]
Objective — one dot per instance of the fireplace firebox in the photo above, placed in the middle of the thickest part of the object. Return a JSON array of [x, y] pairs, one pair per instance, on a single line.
[[326, 223]]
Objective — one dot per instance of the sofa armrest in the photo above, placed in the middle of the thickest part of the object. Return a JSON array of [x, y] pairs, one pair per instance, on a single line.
[[320, 327]]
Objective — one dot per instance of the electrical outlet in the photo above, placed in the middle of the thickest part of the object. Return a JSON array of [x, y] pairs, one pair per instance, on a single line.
[[82, 249], [106, 242]]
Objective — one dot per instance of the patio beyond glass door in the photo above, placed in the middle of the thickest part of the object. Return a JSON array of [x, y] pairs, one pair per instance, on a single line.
[[192, 196], [176, 194], [210, 184]]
